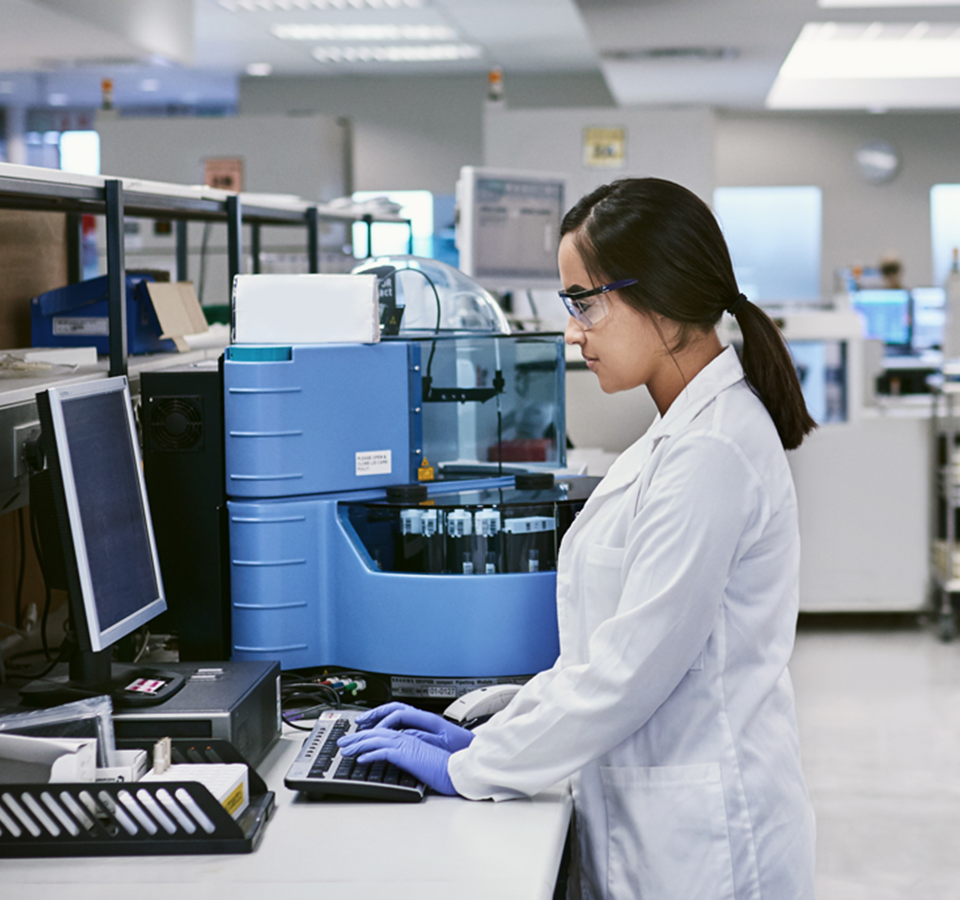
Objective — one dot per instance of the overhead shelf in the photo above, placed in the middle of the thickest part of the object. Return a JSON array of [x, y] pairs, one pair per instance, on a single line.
[[33, 188]]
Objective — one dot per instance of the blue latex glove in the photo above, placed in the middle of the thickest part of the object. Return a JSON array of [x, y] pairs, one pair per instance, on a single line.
[[427, 726], [426, 762]]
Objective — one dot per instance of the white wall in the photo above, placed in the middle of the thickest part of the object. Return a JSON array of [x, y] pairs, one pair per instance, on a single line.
[[861, 221], [414, 132], [668, 143], [281, 154], [300, 155]]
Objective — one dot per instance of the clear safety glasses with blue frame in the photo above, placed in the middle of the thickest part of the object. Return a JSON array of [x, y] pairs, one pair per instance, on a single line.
[[590, 306]]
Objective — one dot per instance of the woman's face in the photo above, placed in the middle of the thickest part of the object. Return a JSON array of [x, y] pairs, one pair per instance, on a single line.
[[623, 349]]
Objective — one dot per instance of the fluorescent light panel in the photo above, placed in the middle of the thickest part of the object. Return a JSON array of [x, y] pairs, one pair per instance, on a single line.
[[398, 53], [828, 51], [303, 5], [371, 32]]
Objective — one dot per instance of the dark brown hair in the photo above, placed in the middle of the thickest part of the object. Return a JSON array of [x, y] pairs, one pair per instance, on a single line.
[[667, 237]]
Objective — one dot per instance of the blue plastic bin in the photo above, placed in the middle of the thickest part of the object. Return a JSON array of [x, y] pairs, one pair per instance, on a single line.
[[78, 316]]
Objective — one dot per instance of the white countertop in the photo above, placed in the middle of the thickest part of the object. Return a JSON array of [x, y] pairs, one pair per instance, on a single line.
[[22, 387], [444, 847]]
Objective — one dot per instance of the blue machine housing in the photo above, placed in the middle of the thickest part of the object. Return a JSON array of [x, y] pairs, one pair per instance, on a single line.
[[314, 419], [306, 592], [312, 428]]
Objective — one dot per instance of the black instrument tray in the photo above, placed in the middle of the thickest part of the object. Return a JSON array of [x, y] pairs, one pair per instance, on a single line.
[[133, 819]]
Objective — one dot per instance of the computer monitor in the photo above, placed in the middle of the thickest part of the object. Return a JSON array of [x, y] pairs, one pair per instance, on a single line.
[[99, 539], [508, 227], [887, 315], [928, 317]]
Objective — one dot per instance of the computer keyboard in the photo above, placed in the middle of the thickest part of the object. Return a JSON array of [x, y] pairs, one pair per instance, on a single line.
[[320, 769]]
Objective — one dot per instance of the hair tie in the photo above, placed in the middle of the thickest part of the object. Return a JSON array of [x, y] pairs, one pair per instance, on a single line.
[[735, 307]]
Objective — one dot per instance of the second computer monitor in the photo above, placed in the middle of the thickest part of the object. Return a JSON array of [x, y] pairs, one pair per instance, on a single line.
[[887, 315]]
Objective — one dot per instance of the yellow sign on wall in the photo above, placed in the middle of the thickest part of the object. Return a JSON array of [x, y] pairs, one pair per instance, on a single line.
[[604, 148], [225, 172]]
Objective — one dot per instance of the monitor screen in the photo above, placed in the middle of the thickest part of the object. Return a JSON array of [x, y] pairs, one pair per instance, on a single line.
[[886, 314], [928, 317], [508, 229], [109, 552]]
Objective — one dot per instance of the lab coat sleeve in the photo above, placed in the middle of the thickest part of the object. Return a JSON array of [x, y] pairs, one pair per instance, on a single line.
[[702, 506]]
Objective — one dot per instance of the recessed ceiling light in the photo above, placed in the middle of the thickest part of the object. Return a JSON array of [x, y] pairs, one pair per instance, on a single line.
[[259, 70], [870, 65], [320, 32], [398, 53], [831, 51], [301, 5], [57, 99], [150, 85]]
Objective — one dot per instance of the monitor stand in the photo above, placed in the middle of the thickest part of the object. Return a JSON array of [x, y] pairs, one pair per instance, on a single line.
[[92, 674]]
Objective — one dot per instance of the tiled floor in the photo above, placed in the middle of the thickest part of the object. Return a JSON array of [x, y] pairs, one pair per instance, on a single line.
[[879, 713]]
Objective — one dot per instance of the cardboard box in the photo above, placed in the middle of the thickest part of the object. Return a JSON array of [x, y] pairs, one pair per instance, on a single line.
[[158, 315], [229, 783], [27, 758], [131, 765], [33, 259], [305, 309]]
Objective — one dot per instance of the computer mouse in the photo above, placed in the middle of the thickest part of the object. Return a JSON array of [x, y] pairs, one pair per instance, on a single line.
[[481, 703]]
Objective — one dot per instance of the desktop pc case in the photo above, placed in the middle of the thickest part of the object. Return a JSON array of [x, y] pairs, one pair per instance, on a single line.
[[182, 425], [315, 435], [235, 702]]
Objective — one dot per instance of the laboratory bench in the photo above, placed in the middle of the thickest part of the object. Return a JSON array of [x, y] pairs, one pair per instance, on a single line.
[[444, 847]]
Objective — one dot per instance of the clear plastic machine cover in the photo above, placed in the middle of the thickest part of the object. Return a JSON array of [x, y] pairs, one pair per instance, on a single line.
[[433, 297], [490, 401]]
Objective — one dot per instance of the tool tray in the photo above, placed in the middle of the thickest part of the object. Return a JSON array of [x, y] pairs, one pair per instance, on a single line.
[[145, 818]]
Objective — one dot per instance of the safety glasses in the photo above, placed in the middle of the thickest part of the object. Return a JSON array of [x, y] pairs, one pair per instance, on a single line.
[[589, 307]]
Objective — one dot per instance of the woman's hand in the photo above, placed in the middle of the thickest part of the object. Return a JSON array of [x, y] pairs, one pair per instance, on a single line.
[[425, 761], [428, 727]]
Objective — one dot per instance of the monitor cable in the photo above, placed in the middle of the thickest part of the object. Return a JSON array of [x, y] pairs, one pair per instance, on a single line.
[[46, 588], [18, 611]]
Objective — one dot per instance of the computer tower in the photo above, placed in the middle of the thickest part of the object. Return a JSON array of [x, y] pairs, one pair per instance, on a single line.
[[182, 423]]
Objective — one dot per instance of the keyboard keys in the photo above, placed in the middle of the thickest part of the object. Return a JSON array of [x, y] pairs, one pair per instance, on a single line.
[[346, 767], [359, 772], [331, 773]]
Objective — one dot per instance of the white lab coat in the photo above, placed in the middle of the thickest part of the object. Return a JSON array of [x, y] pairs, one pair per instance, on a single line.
[[670, 706]]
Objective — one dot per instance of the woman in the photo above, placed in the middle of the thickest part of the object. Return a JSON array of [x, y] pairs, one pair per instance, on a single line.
[[670, 706]]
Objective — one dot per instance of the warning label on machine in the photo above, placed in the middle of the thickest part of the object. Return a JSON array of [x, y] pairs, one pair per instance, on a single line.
[[374, 462]]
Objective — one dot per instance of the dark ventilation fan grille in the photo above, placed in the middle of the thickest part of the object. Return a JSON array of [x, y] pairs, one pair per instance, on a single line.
[[176, 423], [655, 54]]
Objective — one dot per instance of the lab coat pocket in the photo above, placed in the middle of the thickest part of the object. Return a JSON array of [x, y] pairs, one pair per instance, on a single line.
[[668, 833], [602, 583]]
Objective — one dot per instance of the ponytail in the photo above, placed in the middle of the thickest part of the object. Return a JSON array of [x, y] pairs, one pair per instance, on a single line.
[[771, 374], [667, 233]]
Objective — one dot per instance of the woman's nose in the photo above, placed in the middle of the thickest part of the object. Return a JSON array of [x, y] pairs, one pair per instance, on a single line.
[[574, 333]]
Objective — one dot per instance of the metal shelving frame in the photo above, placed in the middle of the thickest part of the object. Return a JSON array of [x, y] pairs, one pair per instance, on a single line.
[[114, 198]]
